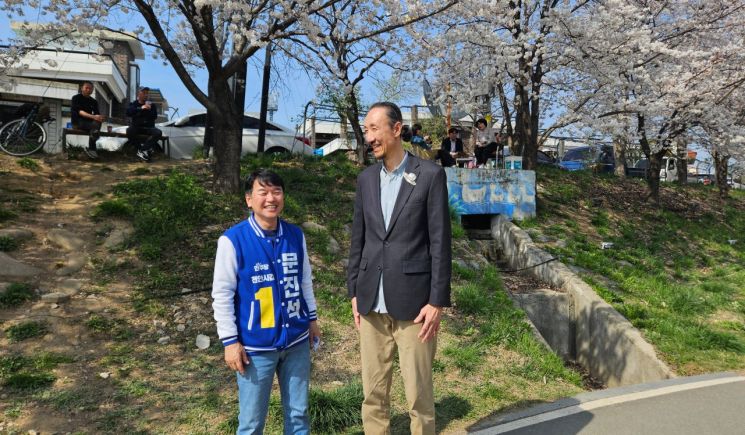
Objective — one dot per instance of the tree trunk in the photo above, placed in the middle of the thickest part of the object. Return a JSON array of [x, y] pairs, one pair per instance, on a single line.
[[353, 116], [655, 160], [522, 119], [653, 178], [721, 170], [506, 117], [228, 132], [619, 155], [530, 147], [682, 160]]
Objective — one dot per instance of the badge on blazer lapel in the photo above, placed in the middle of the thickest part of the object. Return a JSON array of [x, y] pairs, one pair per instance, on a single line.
[[410, 178]]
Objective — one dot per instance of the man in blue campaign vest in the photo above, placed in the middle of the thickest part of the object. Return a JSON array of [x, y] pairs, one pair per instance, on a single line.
[[265, 308]]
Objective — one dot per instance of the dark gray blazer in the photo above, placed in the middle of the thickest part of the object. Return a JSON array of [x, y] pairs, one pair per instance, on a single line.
[[415, 252]]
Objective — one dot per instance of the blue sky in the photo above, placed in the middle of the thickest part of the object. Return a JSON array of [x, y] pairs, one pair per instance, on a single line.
[[292, 87]]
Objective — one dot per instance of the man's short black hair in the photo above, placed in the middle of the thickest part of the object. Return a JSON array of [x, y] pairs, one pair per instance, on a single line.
[[391, 110], [482, 121], [143, 88], [416, 128], [452, 130], [86, 82], [265, 177]]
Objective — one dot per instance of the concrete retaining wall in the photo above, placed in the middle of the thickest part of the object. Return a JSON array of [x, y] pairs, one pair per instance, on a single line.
[[551, 313], [603, 341]]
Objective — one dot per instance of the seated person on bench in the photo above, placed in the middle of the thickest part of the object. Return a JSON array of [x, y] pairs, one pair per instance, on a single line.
[[486, 145], [143, 114], [86, 116], [451, 147]]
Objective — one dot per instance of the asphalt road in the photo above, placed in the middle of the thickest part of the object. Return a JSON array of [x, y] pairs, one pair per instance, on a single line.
[[709, 404]]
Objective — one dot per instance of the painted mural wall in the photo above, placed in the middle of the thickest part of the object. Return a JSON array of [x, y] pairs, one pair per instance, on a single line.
[[492, 191]]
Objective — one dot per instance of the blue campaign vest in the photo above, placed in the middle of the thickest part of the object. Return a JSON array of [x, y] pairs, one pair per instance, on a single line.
[[271, 312]]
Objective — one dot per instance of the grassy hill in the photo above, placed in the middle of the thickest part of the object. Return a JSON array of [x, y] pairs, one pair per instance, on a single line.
[[676, 271], [156, 285]]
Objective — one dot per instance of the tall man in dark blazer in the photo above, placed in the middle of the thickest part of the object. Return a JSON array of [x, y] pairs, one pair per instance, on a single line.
[[399, 272]]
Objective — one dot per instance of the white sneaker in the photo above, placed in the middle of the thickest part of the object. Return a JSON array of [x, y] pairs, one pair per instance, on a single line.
[[91, 153], [142, 155]]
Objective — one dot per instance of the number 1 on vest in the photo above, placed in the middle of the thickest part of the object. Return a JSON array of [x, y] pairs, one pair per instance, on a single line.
[[265, 296]]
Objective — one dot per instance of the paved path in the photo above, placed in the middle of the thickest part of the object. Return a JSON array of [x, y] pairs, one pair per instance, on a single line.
[[708, 404]]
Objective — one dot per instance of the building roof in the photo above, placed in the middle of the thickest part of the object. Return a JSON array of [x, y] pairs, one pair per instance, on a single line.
[[128, 37]]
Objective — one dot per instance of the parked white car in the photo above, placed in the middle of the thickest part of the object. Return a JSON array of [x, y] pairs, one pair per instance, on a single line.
[[186, 134]]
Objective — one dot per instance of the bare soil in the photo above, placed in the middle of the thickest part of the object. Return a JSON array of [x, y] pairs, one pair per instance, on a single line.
[[62, 193]]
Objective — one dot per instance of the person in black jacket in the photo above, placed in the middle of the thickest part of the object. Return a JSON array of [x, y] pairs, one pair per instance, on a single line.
[[143, 114], [86, 116], [399, 272], [451, 146]]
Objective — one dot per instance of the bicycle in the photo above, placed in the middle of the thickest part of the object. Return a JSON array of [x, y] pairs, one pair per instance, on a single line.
[[25, 135]]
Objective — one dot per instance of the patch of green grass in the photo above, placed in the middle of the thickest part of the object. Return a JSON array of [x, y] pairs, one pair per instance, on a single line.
[[14, 410], [490, 319], [465, 358], [118, 329], [330, 411], [19, 372], [141, 170], [8, 243], [335, 410], [136, 388], [28, 163], [26, 330], [6, 215], [15, 294], [168, 209], [540, 364], [471, 299], [456, 229], [671, 272], [81, 399], [113, 208]]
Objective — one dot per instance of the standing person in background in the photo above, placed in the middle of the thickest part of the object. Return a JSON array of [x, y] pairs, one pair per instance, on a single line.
[[399, 272], [143, 113], [450, 148], [485, 144], [85, 115], [265, 308]]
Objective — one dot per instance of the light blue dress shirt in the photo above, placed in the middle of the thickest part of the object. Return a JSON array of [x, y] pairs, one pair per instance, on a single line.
[[390, 184]]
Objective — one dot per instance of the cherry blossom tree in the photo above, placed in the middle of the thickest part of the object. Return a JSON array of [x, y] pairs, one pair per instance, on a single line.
[[219, 36], [652, 70], [498, 53], [358, 36]]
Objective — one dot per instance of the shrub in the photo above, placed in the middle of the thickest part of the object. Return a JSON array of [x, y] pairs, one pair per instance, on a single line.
[[25, 330], [168, 208], [113, 208], [16, 294]]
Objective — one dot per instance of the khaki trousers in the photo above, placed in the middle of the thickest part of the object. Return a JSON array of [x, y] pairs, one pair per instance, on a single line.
[[380, 335]]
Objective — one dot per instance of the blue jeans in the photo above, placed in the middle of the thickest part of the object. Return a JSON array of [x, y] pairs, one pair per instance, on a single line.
[[255, 386]]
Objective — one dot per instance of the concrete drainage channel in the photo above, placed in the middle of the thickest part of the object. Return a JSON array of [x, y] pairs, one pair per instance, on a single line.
[[575, 322]]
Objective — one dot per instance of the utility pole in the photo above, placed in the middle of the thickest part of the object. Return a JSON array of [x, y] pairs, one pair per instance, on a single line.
[[264, 97]]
